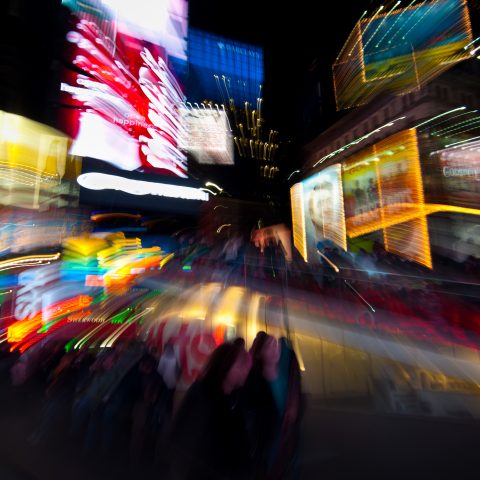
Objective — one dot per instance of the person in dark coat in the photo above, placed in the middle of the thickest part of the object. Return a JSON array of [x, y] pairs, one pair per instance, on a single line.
[[208, 439], [273, 404]]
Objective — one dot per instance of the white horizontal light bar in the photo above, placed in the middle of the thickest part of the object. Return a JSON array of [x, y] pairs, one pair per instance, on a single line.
[[103, 181]]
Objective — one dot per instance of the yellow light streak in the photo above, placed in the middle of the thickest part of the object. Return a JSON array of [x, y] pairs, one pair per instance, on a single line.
[[27, 260]]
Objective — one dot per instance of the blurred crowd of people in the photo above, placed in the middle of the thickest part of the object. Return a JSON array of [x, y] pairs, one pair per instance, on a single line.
[[239, 420]]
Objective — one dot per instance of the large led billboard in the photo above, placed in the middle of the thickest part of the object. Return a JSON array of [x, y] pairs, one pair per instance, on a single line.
[[317, 212], [383, 190], [395, 49], [458, 170], [122, 95], [221, 69], [35, 169], [101, 184], [324, 211], [429, 29]]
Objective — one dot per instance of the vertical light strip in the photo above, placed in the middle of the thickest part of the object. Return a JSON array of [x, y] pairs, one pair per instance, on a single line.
[[338, 232], [380, 199], [298, 219]]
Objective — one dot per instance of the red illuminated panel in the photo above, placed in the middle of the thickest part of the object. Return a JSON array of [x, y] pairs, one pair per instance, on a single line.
[[126, 101]]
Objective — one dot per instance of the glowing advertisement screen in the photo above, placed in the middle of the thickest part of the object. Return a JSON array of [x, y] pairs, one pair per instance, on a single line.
[[460, 176], [383, 190], [323, 207], [389, 41], [221, 68], [360, 189], [208, 136], [122, 95]]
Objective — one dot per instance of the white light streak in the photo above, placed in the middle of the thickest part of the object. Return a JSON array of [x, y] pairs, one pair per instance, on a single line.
[[366, 28], [439, 116], [471, 43], [393, 24], [103, 181], [356, 141], [462, 142], [211, 184], [221, 227]]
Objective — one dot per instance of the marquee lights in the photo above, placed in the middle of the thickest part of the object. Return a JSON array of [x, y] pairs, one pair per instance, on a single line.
[[103, 181]]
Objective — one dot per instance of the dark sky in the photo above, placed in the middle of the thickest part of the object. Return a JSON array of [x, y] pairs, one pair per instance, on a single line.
[[293, 36]]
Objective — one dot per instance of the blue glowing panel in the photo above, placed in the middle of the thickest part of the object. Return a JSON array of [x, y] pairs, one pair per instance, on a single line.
[[435, 28], [221, 69]]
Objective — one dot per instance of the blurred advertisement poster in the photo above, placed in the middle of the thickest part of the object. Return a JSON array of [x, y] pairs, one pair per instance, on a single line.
[[361, 189], [121, 91], [208, 138], [460, 174], [324, 211]]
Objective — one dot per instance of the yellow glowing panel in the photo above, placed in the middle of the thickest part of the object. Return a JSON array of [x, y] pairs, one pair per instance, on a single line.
[[298, 220], [434, 208], [361, 192], [32, 147], [400, 209], [383, 190], [83, 246]]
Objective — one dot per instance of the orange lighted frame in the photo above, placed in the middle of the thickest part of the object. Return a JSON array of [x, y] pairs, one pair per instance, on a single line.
[[408, 216]]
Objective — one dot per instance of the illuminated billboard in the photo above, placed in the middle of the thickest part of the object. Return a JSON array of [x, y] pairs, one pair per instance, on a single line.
[[383, 190], [317, 212], [221, 69], [324, 214], [361, 189], [35, 169], [429, 29], [459, 171], [208, 136], [122, 94], [393, 50]]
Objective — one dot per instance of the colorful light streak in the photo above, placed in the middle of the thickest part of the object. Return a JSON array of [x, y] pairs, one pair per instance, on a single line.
[[44, 320]]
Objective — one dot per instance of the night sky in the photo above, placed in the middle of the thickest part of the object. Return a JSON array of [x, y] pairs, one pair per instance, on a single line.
[[304, 36]]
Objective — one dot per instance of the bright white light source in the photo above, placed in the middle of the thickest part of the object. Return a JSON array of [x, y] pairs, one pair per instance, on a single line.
[[103, 181]]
